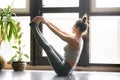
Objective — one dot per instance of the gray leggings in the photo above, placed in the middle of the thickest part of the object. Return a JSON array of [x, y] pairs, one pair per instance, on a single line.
[[61, 67]]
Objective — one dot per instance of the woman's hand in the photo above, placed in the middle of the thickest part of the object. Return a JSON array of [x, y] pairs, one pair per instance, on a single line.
[[37, 19], [43, 20]]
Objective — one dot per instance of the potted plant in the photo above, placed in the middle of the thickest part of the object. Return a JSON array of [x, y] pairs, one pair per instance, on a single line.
[[8, 26], [10, 30], [17, 60]]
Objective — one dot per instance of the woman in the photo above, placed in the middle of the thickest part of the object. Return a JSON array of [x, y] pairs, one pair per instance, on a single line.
[[62, 66]]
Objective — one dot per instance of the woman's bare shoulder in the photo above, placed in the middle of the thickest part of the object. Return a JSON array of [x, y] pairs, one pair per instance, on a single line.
[[74, 44]]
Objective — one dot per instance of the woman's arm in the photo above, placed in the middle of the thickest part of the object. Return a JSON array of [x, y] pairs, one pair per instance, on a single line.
[[63, 35], [70, 39]]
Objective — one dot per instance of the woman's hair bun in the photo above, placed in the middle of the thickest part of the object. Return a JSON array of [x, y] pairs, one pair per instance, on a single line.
[[85, 18]]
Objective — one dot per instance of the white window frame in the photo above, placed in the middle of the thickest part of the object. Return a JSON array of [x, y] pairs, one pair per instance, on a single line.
[[23, 10], [18, 10], [95, 9]]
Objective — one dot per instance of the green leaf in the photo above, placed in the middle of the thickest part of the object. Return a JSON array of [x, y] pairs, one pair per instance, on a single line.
[[8, 11], [14, 31], [19, 29], [18, 52], [7, 28], [19, 42], [13, 58], [10, 35], [20, 59], [3, 12], [20, 35], [15, 47], [9, 8], [26, 55], [9, 32], [3, 32]]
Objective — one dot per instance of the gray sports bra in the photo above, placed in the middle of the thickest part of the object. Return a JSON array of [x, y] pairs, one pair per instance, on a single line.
[[72, 56]]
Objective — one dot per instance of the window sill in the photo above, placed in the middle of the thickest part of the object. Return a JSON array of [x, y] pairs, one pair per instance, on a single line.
[[89, 68]]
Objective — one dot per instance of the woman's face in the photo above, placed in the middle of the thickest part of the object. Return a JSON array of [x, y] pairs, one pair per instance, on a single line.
[[74, 29]]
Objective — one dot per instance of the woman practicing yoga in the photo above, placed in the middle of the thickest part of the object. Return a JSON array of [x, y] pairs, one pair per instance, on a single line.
[[63, 66]]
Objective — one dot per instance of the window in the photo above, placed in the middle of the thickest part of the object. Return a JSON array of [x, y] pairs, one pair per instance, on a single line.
[[105, 39], [104, 27], [105, 6]]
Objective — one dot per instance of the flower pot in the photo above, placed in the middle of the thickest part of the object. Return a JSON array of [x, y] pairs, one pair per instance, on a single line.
[[19, 65], [2, 62]]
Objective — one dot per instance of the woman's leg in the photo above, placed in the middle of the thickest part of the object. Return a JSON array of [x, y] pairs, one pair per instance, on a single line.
[[43, 41], [60, 67], [61, 58]]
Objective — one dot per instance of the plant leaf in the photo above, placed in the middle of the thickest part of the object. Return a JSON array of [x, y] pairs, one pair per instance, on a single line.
[[13, 58], [26, 55], [15, 47], [9, 33], [20, 59], [19, 29], [20, 35], [14, 31]]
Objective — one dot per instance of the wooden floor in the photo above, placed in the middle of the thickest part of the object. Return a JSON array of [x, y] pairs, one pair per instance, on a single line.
[[50, 75]]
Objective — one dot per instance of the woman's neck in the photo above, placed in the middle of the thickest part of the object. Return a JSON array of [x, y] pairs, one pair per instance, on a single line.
[[78, 36]]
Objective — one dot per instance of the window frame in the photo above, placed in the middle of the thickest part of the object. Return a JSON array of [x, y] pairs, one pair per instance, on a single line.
[[20, 11], [23, 10], [102, 10]]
